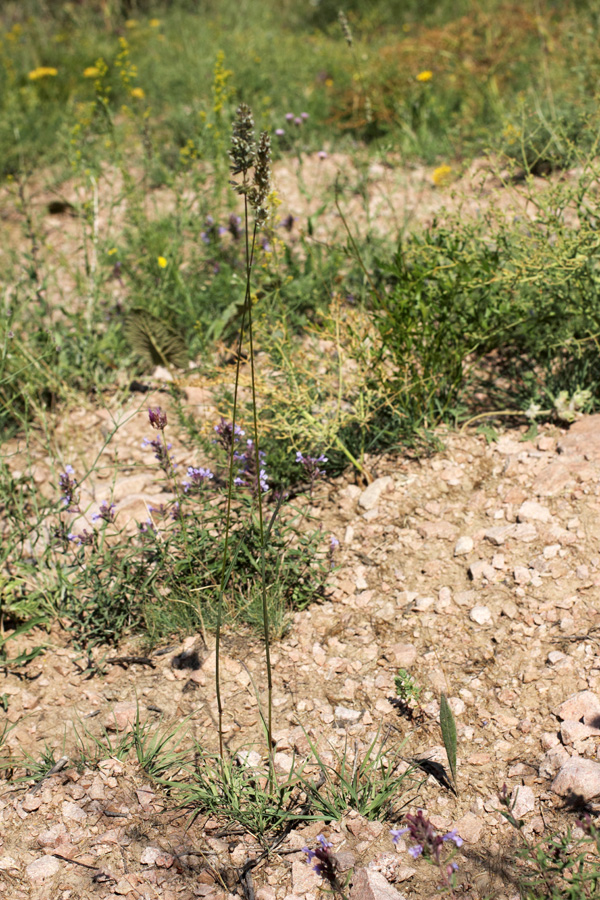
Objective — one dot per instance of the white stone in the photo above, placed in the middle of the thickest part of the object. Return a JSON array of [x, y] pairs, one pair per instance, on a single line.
[[578, 781], [531, 510], [481, 615], [345, 716], [463, 546], [522, 801], [370, 496]]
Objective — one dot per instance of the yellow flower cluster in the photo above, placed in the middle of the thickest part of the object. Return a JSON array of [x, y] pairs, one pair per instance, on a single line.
[[42, 72], [441, 175], [427, 75], [221, 90], [138, 93]]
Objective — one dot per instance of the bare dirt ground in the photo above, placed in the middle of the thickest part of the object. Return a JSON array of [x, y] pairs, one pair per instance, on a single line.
[[476, 569]]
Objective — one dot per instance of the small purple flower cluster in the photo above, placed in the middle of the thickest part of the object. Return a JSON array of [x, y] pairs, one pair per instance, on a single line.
[[157, 417], [212, 232], [428, 842], [106, 513], [292, 118], [198, 478], [326, 864], [228, 434], [247, 468], [311, 464], [161, 453], [68, 486], [85, 539]]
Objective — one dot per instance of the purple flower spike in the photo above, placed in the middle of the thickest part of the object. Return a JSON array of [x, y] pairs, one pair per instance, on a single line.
[[198, 477], [158, 418], [106, 513], [68, 486], [326, 866], [416, 851]]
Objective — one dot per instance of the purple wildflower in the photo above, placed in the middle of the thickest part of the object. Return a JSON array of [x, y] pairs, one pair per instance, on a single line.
[[83, 539], [246, 461], [68, 486], [106, 513], [289, 116], [280, 132], [311, 464], [322, 154], [304, 116], [235, 226], [297, 121], [161, 453], [228, 434], [427, 841], [288, 222], [198, 477], [326, 862], [157, 417]]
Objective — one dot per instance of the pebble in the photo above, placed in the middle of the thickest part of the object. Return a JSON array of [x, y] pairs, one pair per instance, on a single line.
[[346, 716], [584, 705], [122, 717], [522, 801], [532, 510], [370, 885], [481, 569], [463, 546], [481, 615], [404, 655], [42, 868], [370, 496], [578, 781], [576, 731], [552, 761], [470, 828]]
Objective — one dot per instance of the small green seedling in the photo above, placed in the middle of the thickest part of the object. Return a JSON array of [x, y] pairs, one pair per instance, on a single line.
[[406, 687]]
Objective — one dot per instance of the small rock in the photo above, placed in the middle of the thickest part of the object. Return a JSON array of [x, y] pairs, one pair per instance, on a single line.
[[552, 761], [578, 781], [522, 801], [370, 496], [150, 855], [481, 569], [31, 803], [424, 603], [582, 705], [470, 828], [304, 878], [249, 759], [404, 654], [442, 531], [555, 656], [73, 811], [549, 739], [481, 615], [531, 510], [463, 546], [345, 716], [370, 885], [498, 534], [456, 705], [42, 868], [345, 860], [52, 836], [122, 717], [522, 575], [283, 763], [576, 731], [7, 863]]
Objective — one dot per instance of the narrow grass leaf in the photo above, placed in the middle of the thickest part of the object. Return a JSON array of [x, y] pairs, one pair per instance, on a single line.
[[448, 726]]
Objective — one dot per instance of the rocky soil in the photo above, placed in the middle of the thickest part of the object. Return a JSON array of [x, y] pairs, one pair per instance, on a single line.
[[476, 569]]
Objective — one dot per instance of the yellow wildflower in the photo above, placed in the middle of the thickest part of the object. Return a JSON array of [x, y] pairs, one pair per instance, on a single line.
[[329, 82], [162, 262], [425, 76], [42, 72], [112, 251], [131, 23], [441, 175], [138, 93], [154, 23], [91, 72]]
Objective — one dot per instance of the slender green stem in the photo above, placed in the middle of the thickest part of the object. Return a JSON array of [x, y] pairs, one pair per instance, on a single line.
[[227, 531], [265, 610]]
